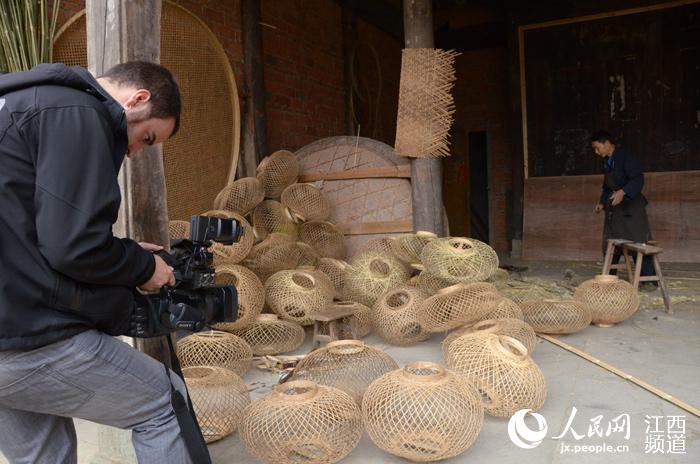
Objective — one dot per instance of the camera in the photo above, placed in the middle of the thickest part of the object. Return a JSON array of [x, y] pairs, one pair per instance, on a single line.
[[195, 301]]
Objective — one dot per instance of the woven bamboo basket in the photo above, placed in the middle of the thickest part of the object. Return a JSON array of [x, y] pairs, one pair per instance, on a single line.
[[271, 335], [499, 277], [458, 305], [506, 309], [335, 270], [301, 422], [360, 322], [521, 292], [516, 328], [395, 316], [376, 245], [408, 247], [219, 397], [460, 259], [281, 257], [348, 365], [431, 283], [557, 316], [269, 241], [272, 216], [370, 275], [306, 202], [499, 366], [240, 196], [294, 295], [178, 230], [323, 237], [277, 171], [422, 412], [236, 252], [251, 295], [217, 349], [611, 299]]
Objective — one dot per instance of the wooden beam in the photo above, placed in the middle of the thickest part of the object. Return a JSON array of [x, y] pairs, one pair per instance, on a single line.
[[382, 227], [398, 171]]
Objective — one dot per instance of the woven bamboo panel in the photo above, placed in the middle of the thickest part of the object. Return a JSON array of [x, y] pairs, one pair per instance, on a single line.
[[240, 196], [219, 397], [557, 316], [348, 365], [408, 247], [422, 412], [516, 328], [502, 371], [458, 305], [426, 105], [178, 230], [302, 422], [362, 200], [611, 299], [277, 171], [335, 270], [372, 274], [460, 259], [360, 321], [395, 316], [307, 202], [271, 335], [294, 295], [251, 294], [215, 348], [323, 237], [271, 216]]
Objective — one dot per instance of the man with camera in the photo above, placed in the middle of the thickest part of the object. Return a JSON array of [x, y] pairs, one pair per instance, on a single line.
[[66, 283]]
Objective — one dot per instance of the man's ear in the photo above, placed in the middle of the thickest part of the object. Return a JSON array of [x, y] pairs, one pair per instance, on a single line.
[[138, 97]]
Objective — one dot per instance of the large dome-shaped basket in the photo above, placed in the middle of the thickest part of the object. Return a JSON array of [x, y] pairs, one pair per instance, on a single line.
[[307, 202], [271, 335], [277, 171], [296, 294], [240, 196], [459, 259], [323, 237], [611, 299], [458, 305], [371, 275], [217, 349], [395, 316], [516, 328], [557, 316]]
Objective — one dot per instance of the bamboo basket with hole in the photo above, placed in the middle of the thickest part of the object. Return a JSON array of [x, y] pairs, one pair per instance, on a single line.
[[459, 259], [395, 316], [422, 412], [296, 294], [501, 370], [557, 316], [458, 305], [323, 237], [251, 294], [301, 421], [236, 252], [276, 172], [516, 328], [241, 196], [270, 335], [335, 270], [506, 309], [610, 298], [370, 275], [272, 216], [306, 202], [215, 348], [408, 247]]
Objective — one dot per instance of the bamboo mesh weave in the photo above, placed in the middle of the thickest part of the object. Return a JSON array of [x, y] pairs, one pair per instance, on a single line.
[[502, 371], [395, 316], [219, 397], [499, 277], [557, 316], [506, 309], [335, 270], [348, 365], [271, 216], [431, 283], [370, 275], [295, 294], [178, 230], [271, 335], [611, 299], [426, 105], [516, 328], [360, 322], [240, 196], [376, 245], [281, 257], [277, 171], [236, 252], [251, 294], [215, 348], [307, 202], [422, 412], [301, 422], [324, 237], [457, 305], [408, 247], [460, 259]]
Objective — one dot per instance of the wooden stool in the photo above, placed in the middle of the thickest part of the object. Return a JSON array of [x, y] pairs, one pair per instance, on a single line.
[[617, 244], [643, 250], [326, 325]]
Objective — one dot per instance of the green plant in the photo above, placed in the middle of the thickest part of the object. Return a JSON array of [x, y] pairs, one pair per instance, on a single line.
[[26, 33]]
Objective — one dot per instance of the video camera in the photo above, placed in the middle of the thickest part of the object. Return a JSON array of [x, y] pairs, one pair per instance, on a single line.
[[195, 301]]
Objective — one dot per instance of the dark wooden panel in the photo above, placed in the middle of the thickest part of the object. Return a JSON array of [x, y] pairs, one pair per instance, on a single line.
[[637, 75], [560, 224]]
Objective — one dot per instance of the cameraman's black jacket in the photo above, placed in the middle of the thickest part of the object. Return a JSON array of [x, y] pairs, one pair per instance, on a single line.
[[62, 142]]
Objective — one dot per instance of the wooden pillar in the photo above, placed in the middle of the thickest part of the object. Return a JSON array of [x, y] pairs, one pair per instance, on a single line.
[[426, 174], [254, 122]]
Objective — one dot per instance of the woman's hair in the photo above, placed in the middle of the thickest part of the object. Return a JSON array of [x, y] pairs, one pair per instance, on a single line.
[[601, 136]]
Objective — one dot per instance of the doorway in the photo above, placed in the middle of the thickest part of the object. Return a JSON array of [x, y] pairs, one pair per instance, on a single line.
[[478, 186]]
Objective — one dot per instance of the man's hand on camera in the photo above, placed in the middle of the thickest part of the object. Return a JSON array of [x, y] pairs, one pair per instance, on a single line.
[[163, 275], [599, 207]]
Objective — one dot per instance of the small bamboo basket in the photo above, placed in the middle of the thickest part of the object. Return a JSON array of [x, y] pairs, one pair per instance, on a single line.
[[408, 247], [217, 349], [281, 257], [335, 270], [506, 309], [325, 238], [458, 305], [557, 316], [459, 259], [271, 216], [516, 328], [306, 202], [251, 295], [430, 283], [240, 196], [370, 275], [395, 316], [302, 422], [611, 299], [422, 412], [295, 294], [277, 171], [271, 335]]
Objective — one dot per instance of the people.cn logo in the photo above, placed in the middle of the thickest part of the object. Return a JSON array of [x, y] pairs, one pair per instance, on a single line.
[[522, 435]]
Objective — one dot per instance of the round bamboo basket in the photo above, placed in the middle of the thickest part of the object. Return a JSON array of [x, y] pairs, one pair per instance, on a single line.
[[502, 371], [458, 305], [178, 230], [395, 316], [557, 316], [294, 295], [611, 299], [430, 283], [301, 422], [525, 292], [277, 171], [323, 237], [217, 349], [348, 365], [408, 247], [236, 252], [459, 258], [506, 309], [422, 412], [271, 216], [271, 335], [360, 322], [516, 328], [240, 196], [219, 397], [370, 275], [251, 295], [335, 270], [380, 245], [269, 241], [306, 202], [281, 257], [499, 277]]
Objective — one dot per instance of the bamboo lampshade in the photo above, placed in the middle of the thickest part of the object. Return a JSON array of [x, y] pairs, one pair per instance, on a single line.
[[295, 294], [307, 202], [611, 299], [277, 171], [215, 348], [557, 316], [460, 259], [516, 328], [251, 294], [271, 335], [408, 247], [323, 237], [335, 270], [240, 196], [396, 319], [457, 305], [370, 275], [272, 216]]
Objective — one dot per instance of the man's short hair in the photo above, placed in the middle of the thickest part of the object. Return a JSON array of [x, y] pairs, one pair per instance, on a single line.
[[165, 92], [601, 136]]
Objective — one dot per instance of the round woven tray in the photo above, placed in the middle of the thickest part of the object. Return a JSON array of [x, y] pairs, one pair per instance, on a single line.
[[395, 316], [370, 275], [516, 328], [422, 412], [458, 305], [295, 294], [611, 299], [277, 171], [301, 422], [240, 196], [217, 349], [306, 202], [460, 259], [408, 247], [557, 316], [271, 335], [323, 237], [251, 294]]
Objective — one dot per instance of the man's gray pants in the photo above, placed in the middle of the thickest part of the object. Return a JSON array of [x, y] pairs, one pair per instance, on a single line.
[[91, 376]]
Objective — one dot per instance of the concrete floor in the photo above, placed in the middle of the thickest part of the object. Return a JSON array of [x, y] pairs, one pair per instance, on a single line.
[[660, 349]]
